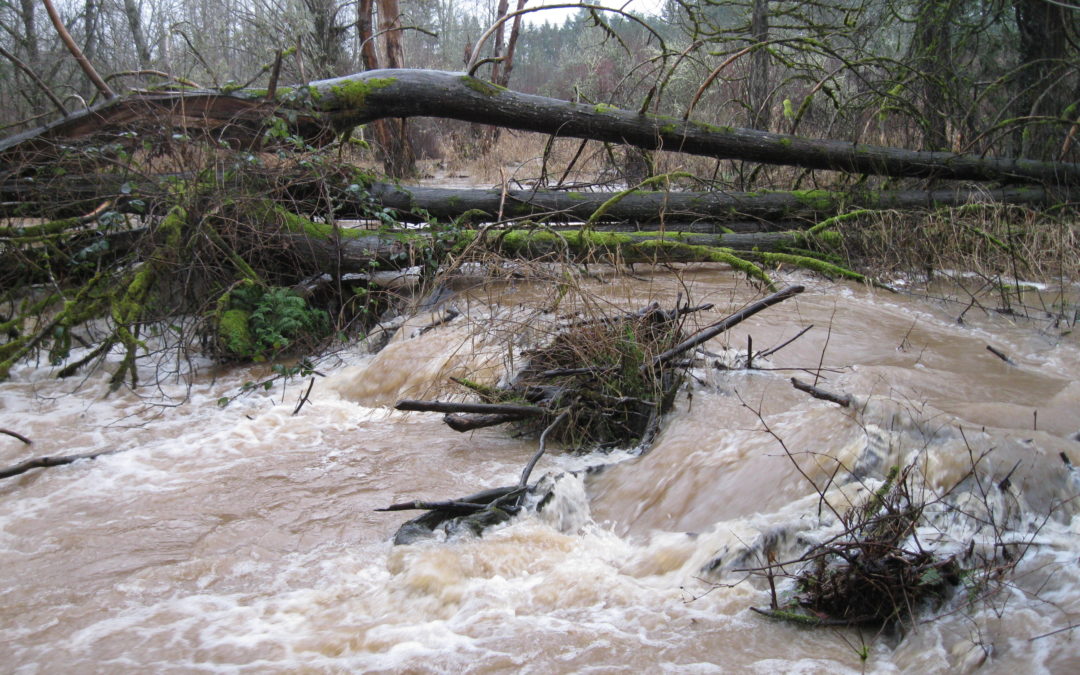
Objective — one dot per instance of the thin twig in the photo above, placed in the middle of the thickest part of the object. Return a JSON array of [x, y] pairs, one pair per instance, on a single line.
[[1071, 626], [37, 80], [17, 435], [540, 451], [772, 351], [304, 398], [719, 327], [791, 457], [43, 462]]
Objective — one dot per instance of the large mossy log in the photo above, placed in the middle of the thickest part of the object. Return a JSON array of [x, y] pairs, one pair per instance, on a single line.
[[71, 196], [395, 250], [654, 207], [325, 106]]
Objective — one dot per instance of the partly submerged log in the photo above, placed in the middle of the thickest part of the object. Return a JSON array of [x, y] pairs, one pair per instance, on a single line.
[[324, 107]]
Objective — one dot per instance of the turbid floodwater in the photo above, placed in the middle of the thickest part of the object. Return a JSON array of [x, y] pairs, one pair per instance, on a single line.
[[244, 538]]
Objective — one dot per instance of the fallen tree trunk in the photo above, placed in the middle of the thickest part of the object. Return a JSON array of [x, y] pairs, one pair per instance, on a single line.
[[653, 207], [392, 251], [326, 106], [70, 196]]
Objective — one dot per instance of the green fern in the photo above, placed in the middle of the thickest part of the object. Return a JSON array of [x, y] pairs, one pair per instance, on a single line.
[[274, 319]]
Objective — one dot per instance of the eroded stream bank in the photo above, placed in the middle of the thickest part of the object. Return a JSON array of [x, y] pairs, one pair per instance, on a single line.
[[245, 539]]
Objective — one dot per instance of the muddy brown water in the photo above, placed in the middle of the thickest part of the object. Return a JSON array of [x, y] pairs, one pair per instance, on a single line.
[[244, 539]]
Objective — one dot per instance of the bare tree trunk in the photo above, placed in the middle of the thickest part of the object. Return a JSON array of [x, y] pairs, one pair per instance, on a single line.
[[369, 57], [399, 159], [500, 12], [134, 19], [73, 195], [1042, 49], [511, 46], [90, 23], [325, 37], [30, 39], [931, 47], [758, 81]]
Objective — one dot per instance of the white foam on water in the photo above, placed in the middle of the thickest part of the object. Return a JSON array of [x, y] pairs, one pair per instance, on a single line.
[[243, 538]]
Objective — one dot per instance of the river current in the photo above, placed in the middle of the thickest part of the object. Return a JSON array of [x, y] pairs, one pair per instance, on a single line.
[[244, 538]]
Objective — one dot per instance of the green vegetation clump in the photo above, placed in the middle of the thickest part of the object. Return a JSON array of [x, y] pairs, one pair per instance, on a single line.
[[257, 324]]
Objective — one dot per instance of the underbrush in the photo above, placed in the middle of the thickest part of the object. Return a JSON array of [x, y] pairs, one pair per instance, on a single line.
[[990, 240]]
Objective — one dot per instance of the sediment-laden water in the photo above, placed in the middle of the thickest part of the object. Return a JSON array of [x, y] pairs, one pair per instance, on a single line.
[[244, 538]]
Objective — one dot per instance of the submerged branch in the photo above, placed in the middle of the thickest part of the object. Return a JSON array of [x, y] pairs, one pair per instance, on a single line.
[[843, 400], [489, 408], [719, 327], [48, 461]]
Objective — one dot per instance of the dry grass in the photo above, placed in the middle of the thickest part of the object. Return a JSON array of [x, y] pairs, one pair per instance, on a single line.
[[992, 240]]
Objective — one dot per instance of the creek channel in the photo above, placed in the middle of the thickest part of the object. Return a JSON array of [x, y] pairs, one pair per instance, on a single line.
[[244, 538]]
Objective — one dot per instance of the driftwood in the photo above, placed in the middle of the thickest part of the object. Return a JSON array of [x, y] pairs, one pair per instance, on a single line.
[[322, 108], [613, 379], [723, 325], [487, 408], [543, 446], [843, 400], [45, 462], [472, 422], [1000, 354], [874, 572], [473, 513]]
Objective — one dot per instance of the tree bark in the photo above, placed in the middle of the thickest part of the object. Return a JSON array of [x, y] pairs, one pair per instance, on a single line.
[[369, 57], [456, 96], [362, 254], [399, 158], [326, 37], [500, 12], [511, 46], [1042, 48], [931, 48], [758, 80], [134, 19], [359, 99], [656, 207], [30, 37]]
